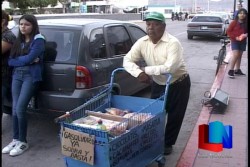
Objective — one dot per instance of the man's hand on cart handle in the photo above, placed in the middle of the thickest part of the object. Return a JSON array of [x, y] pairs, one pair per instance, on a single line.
[[143, 77]]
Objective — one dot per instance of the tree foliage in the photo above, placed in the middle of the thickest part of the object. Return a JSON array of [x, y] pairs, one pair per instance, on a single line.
[[63, 1], [24, 4], [21, 4], [43, 3]]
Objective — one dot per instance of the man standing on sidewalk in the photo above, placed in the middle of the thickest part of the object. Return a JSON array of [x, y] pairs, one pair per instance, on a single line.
[[163, 54]]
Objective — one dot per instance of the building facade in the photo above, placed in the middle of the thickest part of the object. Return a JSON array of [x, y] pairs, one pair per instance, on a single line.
[[112, 6]]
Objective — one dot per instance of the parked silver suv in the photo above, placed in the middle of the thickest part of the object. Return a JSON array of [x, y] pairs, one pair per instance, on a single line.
[[80, 56]]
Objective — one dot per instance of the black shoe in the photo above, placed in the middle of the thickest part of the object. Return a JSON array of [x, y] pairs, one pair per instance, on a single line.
[[238, 72], [168, 150], [231, 74]]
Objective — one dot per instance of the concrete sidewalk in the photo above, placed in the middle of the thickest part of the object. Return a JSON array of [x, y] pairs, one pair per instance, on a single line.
[[236, 115]]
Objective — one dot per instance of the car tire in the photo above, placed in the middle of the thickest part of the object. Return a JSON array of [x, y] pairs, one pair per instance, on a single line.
[[190, 36], [7, 110], [114, 92]]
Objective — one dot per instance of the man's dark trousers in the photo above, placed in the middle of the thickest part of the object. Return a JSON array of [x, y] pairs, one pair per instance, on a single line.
[[177, 100]]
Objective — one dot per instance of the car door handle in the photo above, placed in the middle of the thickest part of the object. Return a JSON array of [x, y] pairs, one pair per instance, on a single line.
[[97, 67]]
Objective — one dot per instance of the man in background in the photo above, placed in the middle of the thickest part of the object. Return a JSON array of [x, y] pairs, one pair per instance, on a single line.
[[239, 6]]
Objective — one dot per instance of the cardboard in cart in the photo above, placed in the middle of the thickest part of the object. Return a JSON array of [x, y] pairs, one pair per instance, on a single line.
[[79, 146], [106, 116]]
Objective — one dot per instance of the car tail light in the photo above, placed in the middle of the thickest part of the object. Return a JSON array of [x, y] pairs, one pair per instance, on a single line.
[[83, 78]]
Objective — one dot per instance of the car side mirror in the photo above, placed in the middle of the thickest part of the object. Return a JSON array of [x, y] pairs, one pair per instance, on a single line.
[[226, 21]]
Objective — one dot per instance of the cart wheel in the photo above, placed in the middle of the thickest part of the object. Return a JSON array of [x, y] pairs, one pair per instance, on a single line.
[[161, 161]]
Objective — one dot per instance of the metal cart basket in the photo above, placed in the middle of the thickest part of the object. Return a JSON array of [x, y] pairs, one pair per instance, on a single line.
[[139, 146]]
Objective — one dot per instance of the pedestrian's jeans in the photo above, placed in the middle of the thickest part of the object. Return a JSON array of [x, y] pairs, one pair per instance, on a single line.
[[23, 89]]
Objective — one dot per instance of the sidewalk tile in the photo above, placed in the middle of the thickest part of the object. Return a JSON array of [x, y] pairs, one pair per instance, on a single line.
[[237, 163], [204, 162], [216, 164]]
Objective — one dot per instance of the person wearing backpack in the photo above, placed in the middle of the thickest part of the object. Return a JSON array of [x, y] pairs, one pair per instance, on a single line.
[[26, 58]]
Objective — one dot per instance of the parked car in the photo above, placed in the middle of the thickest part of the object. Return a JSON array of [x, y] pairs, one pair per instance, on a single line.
[[80, 56], [209, 25], [191, 15], [231, 15], [226, 17]]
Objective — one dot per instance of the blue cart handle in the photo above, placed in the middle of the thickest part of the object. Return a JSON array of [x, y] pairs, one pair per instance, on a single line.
[[169, 77]]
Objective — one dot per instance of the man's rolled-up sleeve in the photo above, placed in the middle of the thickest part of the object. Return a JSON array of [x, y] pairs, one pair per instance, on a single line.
[[133, 56]]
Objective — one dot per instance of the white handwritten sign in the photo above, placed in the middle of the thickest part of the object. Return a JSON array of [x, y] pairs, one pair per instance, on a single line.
[[78, 145]]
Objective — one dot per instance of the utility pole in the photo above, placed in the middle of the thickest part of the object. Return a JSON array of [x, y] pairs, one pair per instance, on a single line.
[[234, 6], [175, 3], [195, 6], [208, 5], [80, 6]]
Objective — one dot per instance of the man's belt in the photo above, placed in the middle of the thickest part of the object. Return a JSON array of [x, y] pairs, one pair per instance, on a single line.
[[180, 79]]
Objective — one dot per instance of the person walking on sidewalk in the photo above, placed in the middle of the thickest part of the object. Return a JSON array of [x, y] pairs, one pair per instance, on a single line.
[[26, 57], [238, 32], [163, 54], [8, 38], [172, 16]]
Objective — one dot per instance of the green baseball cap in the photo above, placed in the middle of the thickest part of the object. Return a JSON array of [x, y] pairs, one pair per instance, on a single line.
[[155, 16]]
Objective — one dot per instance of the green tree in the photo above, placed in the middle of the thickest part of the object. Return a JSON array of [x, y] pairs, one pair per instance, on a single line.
[[20, 4], [43, 3], [24, 4]]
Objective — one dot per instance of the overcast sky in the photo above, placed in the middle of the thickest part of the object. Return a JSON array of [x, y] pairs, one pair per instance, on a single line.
[[219, 5]]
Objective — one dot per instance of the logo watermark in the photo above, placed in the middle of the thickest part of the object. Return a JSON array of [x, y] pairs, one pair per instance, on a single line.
[[215, 136]]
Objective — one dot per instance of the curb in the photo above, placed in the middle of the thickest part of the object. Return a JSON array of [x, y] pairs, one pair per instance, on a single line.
[[190, 152]]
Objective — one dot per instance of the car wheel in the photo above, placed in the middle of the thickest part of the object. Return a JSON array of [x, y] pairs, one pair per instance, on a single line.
[[7, 110], [190, 36], [114, 92]]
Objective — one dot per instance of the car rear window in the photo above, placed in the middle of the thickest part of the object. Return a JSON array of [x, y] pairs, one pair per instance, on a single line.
[[207, 19], [60, 44]]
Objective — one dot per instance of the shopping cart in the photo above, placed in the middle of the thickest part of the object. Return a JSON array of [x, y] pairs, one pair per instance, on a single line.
[[139, 146]]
